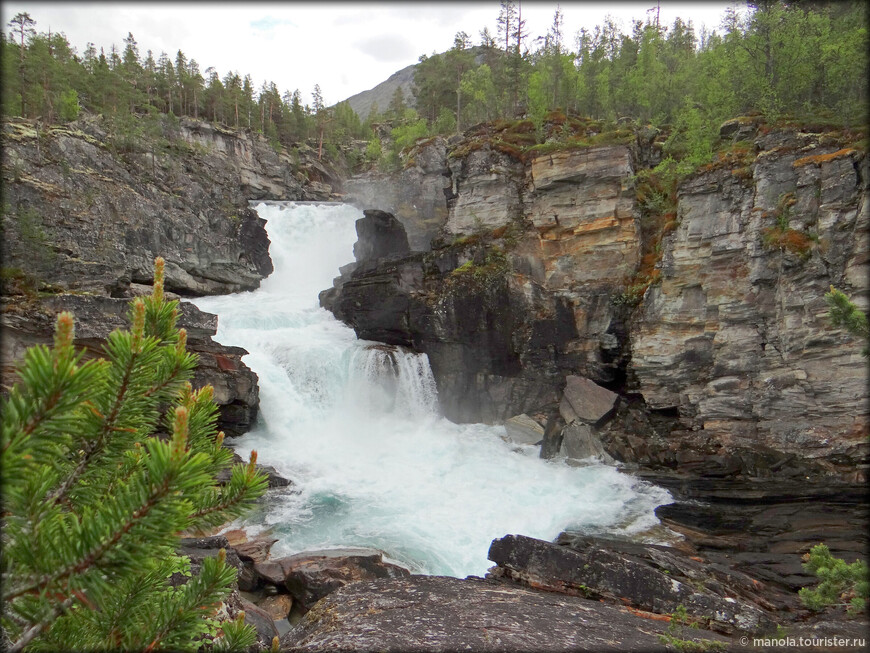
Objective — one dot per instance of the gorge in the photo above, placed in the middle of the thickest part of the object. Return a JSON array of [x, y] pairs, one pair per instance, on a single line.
[[516, 274]]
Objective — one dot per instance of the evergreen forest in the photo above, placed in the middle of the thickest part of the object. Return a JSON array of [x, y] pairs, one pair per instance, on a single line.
[[800, 60]]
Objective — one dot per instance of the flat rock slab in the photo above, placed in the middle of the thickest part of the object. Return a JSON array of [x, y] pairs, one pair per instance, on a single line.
[[586, 400], [651, 577], [437, 613]]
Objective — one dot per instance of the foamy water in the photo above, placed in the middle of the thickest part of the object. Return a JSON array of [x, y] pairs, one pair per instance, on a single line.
[[356, 426]]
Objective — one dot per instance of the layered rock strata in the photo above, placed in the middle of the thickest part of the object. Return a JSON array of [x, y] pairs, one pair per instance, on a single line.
[[728, 363], [736, 337], [87, 210]]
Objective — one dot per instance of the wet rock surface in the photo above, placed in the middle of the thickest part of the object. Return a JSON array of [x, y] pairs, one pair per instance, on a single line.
[[434, 613], [650, 577]]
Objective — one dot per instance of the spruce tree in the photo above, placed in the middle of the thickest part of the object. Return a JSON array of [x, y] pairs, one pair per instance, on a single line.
[[106, 462]]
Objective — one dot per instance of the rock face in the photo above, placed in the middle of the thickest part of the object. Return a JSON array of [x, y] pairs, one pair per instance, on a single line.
[[727, 363], [235, 385], [434, 613], [89, 214], [379, 234], [416, 196], [486, 192], [736, 337]]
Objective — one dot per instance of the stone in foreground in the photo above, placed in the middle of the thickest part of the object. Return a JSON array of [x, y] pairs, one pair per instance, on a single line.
[[436, 613], [312, 575], [653, 578]]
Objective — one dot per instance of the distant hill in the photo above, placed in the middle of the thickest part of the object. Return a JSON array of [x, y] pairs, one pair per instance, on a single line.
[[362, 103]]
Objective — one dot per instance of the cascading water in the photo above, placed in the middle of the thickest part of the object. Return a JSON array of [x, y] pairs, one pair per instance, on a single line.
[[355, 424]]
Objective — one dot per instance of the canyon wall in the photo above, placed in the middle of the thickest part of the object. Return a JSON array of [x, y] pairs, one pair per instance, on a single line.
[[726, 363], [86, 209]]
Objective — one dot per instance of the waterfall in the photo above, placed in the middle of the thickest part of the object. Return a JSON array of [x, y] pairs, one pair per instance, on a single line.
[[355, 425]]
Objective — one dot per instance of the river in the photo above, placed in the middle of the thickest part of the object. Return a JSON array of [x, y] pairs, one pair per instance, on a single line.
[[356, 426]]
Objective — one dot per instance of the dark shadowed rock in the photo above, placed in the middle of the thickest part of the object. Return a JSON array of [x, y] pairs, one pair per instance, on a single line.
[[653, 578], [434, 613], [262, 622], [552, 443], [379, 235], [200, 548]]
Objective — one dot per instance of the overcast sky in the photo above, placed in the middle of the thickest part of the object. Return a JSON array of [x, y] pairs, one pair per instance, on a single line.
[[345, 47]]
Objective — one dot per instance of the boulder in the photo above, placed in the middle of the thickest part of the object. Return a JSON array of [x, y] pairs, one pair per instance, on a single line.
[[315, 574], [580, 441], [256, 550], [650, 577], [586, 400], [311, 575], [522, 429], [278, 606], [262, 622], [436, 613]]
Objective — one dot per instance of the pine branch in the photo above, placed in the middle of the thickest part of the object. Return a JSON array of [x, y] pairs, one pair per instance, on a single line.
[[37, 628], [97, 552]]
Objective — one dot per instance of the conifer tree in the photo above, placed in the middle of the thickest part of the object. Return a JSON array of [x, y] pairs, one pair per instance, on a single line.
[[105, 463]]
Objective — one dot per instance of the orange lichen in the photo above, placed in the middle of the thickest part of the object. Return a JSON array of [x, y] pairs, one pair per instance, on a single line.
[[819, 159], [792, 240]]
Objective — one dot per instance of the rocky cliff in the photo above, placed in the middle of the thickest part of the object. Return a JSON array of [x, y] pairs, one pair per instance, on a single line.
[[416, 195], [88, 209], [712, 329]]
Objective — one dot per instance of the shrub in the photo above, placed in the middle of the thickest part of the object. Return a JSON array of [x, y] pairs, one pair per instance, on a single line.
[[841, 583], [105, 463], [843, 313]]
